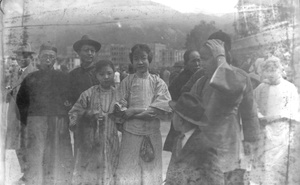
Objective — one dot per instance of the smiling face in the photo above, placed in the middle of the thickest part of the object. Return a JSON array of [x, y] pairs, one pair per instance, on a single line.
[[106, 77], [87, 54], [140, 61], [47, 59], [208, 62], [194, 61]]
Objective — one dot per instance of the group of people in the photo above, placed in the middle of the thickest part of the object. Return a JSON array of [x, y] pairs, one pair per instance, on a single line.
[[215, 114]]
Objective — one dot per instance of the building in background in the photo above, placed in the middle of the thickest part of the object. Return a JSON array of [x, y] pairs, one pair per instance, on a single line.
[[119, 55], [268, 26]]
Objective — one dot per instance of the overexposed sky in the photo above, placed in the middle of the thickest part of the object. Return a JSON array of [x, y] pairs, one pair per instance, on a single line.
[[204, 6]]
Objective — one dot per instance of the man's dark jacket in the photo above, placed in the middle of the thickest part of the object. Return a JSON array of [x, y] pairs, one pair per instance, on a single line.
[[81, 79], [43, 93]]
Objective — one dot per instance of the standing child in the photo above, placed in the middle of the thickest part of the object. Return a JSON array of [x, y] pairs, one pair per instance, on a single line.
[[96, 159], [147, 96]]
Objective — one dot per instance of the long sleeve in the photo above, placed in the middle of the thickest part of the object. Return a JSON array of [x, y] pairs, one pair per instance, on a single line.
[[248, 112], [81, 105], [161, 97]]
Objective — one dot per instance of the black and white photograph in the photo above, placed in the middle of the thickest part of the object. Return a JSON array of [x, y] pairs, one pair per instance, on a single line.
[[150, 92]]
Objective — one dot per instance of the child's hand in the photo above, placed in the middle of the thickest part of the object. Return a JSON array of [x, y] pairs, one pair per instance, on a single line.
[[148, 114], [92, 113], [129, 113]]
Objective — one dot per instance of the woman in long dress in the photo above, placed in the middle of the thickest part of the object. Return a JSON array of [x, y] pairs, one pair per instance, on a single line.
[[147, 98], [278, 104], [96, 159]]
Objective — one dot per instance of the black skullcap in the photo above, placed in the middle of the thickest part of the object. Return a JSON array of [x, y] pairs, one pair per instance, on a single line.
[[48, 46], [223, 37]]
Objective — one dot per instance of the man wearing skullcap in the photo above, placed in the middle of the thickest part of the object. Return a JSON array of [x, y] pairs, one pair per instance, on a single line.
[[200, 73], [227, 96], [43, 106]]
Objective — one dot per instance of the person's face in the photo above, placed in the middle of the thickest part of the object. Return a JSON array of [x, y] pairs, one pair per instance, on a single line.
[[105, 77], [177, 121], [87, 54], [194, 61], [47, 59], [272, 74], [140, 61], [23, 61], [209, 64]]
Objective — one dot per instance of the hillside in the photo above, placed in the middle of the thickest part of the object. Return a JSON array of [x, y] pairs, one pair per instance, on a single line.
[[117, 21]]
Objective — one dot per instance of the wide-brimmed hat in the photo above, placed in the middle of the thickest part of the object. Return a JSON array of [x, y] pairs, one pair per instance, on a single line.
[[189, 108], [24, 49], [85, 40]]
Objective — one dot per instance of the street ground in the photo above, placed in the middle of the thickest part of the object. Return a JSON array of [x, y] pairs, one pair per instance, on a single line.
[[13, 171]]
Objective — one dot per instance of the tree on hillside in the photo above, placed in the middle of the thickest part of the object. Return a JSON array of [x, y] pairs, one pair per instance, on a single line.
[[199, 34]]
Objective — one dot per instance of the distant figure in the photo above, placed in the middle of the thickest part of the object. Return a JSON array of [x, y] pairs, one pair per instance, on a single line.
[[278, 105], [193, 161], [123, 75], [177, 68], [64, 68], [117, 79], [191, 65], [15, 129]]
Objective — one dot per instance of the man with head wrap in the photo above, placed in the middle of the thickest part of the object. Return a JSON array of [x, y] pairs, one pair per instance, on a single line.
[[227, 96], [220, 35]]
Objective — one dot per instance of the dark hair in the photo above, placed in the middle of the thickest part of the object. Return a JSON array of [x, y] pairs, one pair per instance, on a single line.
[[142, 47], [25, 55], [103, 63], [186, 55], [131, 69], [227, 42]]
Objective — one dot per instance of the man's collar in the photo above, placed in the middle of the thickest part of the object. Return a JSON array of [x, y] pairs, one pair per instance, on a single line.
[[91, 66], [189, 133], [24, 68]]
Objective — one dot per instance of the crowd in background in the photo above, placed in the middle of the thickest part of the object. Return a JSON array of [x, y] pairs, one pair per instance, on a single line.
[[228, 121]]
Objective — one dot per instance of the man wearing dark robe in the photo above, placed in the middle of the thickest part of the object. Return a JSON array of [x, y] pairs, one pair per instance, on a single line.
[[191, 65]]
